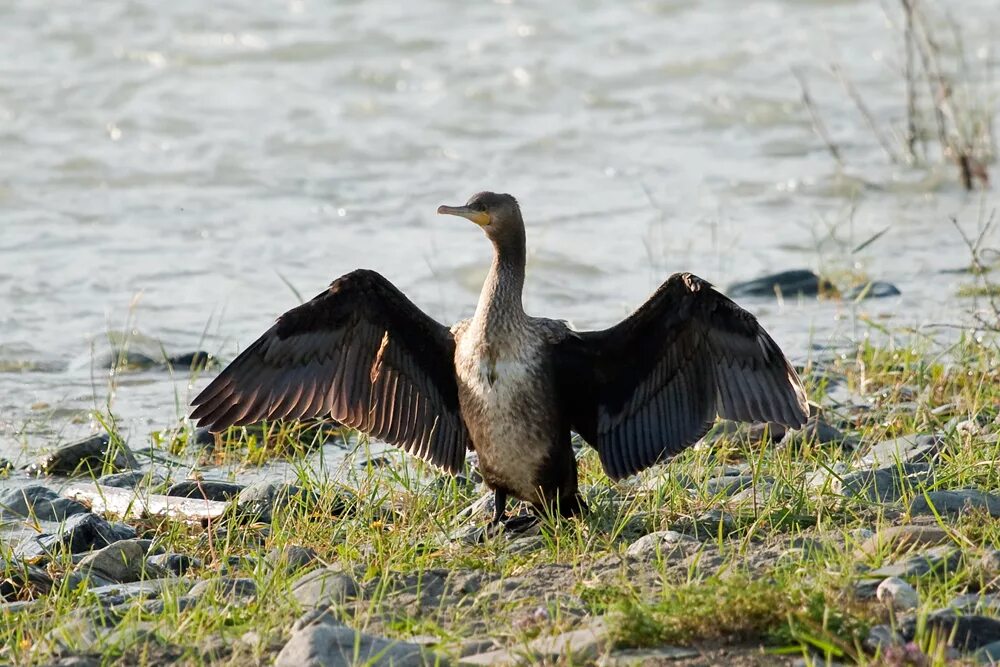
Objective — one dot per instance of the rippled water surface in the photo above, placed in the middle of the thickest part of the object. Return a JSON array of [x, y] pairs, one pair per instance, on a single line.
[[169, 169]]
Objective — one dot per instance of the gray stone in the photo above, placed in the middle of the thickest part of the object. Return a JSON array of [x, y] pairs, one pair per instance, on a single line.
[[990, 562], [580, 646], [989, 654], [641, 657], [325, 587], [131, 479], [291, 557], [258, 501], [176, 563], [727, 485], [662, 543], [897, 594], [978, 603], [871, 290], [787, 283], [228, 588], [80, 532], [121, 562], [881, 637], [966, 633], [817, 432], [955, 502], [17, 578], [205, 489], [899, 539], [38, 502], [913, 448], [885, 485], [326, 643], [707, 526], [939, 559], [90, 457]]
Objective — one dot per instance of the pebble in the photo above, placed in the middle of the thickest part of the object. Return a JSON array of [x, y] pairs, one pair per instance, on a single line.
[[580, 646], [884, 485], [19, 578], [912, 448], [89, 457], [325, 587], [787, 283], [131, 479], [662, 543], [881, 637], [817, 432], [258, 501], [80, 532], [326, 643], [898, 539], [898, 594], [942, 558], [955, 502], [989, 654], [205, 489]]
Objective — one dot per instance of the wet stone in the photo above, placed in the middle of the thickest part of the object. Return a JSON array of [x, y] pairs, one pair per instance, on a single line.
[[205, 489], [955, 502], [130, 479], [39, 502], [90, 456], [194, 361], [797, 282], [872, 290], [325, 587], [913, 448]]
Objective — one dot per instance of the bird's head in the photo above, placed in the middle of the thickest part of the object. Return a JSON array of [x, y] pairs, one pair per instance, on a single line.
[[498, 214]]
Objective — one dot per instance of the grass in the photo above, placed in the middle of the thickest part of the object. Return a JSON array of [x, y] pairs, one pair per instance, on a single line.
[[776, 572]]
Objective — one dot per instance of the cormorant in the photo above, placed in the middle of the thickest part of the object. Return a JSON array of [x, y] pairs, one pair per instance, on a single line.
[[508, 385]]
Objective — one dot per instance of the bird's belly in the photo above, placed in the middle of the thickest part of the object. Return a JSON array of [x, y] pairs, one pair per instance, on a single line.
[[511, 429]]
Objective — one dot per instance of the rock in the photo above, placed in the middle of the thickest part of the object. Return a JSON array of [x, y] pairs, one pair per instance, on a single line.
[[898, 594], [195, 361], [176, 563], [955, 502], [227, 588], [966, 633], [707, 526], [885, 485], [990, 562], [325, 587], [727, 485], [976, 603], [291, 557], [871, 290], [258, 501], [913, 448], [326, 643], [91, 457], [881, 637], [663, 543], [989, 654], [641, 657], [787, 283], [817, 432], [131, 479], [205, 489], [121, 562], [939, 559], [80, 532], [580, 646], [19, 580], [39, 502], [899, 539]]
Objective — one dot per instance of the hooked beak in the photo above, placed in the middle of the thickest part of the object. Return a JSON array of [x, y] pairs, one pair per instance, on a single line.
[[481, 218]]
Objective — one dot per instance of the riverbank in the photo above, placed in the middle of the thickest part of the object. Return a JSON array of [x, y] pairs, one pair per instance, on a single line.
[[872, 536]]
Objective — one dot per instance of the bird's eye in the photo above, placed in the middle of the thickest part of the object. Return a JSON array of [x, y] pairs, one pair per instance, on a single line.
[[477, 206]]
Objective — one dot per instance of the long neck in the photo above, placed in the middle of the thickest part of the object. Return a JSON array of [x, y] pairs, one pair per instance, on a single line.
[[500, 301]]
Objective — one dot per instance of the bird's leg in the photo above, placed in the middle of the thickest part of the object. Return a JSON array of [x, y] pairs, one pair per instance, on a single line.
[[499, 506]]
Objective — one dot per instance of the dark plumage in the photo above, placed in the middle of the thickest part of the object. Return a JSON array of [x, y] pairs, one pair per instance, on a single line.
[[508, 385]]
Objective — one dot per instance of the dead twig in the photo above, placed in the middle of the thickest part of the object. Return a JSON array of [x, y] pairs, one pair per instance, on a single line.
[[818, 125]]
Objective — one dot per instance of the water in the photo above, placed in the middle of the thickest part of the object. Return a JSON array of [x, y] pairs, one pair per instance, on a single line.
[[168, 166]]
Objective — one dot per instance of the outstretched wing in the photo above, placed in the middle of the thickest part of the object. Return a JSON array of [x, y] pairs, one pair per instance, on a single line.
[[360, 352], [652, 385]]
